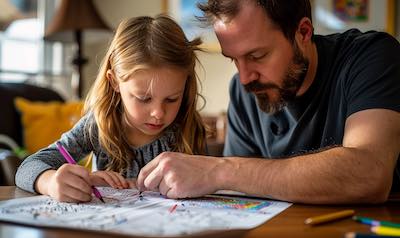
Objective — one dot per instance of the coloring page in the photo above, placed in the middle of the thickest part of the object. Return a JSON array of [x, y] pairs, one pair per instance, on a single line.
[[144, 214]]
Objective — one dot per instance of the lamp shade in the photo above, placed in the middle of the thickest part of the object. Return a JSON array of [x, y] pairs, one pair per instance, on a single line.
[[71, 16]]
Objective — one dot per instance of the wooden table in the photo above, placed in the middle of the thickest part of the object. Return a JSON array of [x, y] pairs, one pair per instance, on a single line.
[[289, 223]]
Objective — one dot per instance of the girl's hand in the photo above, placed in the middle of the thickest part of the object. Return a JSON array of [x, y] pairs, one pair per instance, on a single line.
[[70, 183], [109, 178], [132, 182]]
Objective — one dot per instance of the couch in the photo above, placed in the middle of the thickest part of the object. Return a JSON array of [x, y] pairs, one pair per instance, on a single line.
[[10, 122]]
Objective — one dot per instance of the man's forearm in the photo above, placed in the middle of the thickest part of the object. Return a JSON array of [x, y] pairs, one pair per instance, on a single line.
[[337, 175]]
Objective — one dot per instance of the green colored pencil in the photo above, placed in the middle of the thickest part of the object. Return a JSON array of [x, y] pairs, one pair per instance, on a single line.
[[372, 222]]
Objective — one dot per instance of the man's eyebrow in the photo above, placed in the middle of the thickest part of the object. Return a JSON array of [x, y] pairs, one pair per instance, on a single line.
[[246, 54]]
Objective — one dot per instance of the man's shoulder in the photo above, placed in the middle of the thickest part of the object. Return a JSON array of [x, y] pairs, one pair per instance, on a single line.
[[354, 38], [238, 92], [236, 89], [235, 82], [354, 48]]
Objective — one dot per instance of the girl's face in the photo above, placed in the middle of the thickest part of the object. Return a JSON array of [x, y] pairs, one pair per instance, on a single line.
[[151, 98]]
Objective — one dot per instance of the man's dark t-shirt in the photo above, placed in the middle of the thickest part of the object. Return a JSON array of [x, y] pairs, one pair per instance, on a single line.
[[356, 71]]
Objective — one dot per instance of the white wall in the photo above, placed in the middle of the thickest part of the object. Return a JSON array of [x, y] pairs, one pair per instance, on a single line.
[[215, 73], [217, 70]]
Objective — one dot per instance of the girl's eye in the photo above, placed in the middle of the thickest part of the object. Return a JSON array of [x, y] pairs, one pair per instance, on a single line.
[[171, 100], [143, 100]]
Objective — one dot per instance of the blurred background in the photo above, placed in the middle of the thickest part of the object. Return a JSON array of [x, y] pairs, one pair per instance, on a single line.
[[26, 55]]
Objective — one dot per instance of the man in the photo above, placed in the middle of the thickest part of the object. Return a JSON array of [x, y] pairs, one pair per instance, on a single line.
[[322, 112]]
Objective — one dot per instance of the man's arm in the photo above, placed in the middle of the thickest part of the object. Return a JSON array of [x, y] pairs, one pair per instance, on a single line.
[[360, 171]]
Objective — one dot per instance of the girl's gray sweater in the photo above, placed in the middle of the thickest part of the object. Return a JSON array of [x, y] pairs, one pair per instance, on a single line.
[[79, 145]]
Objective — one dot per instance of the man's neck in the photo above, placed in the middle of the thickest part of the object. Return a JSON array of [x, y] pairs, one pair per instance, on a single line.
[[312, 69]]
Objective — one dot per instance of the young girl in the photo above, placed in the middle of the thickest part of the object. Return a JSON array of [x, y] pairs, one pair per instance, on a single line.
[[142, 103]]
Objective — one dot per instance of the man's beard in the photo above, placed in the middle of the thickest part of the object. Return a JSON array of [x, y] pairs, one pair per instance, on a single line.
[[293, 79]]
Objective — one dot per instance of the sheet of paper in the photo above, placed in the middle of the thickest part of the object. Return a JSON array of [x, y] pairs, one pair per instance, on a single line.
[[148, 214]]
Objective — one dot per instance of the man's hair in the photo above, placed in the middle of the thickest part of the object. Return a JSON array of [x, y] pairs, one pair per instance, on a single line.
[[285, 14], [145, 43]]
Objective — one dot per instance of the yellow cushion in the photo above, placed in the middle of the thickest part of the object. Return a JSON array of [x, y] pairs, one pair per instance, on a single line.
[[44, 122]]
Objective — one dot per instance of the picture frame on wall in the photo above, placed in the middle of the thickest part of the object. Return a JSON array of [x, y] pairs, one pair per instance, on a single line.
[[332, 16], [351, 11], [185, 12]]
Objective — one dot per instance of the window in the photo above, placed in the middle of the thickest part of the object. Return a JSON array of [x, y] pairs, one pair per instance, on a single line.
[[24, 55]]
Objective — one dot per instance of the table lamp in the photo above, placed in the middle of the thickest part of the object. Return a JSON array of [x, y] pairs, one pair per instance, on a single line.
[[69, 21]]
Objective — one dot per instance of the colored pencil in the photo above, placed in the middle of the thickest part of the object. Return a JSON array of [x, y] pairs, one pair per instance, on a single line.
[[372, 222], [387, 231], [363, 235], [329, 217]]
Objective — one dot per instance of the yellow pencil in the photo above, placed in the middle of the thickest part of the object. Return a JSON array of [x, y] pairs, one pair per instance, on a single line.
[[329, 217], [384, 230]]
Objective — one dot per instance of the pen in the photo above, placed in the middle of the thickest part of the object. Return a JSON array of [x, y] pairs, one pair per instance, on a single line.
[[70, 160], [387, 231], [363, 235], [328, 217], [372, 222]]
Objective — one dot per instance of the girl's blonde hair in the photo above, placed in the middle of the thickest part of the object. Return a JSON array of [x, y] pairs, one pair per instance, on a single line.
[[145, 42]]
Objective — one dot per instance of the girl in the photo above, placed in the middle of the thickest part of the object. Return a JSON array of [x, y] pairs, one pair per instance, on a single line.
[[142, 103]]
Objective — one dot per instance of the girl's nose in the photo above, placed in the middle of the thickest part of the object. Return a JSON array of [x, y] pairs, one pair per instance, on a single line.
[[158, 112]]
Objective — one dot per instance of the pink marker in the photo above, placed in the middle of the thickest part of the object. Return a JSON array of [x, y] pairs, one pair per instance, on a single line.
[[70, 160]]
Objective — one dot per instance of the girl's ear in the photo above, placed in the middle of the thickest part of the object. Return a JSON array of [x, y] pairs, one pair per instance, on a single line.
[[112, 80]]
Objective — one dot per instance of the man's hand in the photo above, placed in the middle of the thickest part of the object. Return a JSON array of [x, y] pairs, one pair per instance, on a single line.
[[178, 175]]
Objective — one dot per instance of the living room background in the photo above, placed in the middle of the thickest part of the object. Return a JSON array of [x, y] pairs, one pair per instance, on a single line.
[[49, 64]]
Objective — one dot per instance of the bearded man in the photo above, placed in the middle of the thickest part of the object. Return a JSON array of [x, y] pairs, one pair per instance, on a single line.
[[312, 119]]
